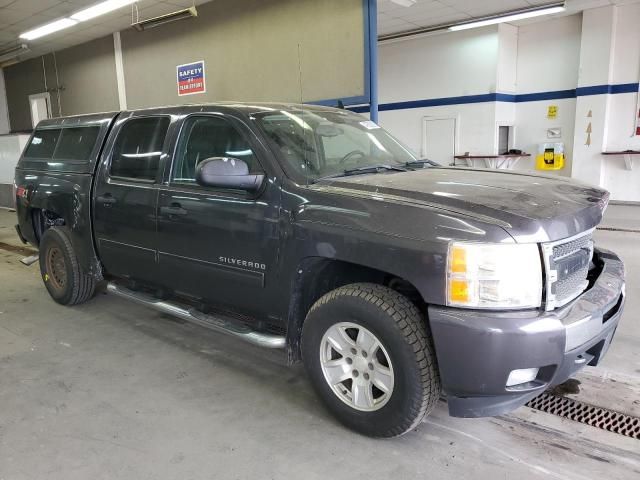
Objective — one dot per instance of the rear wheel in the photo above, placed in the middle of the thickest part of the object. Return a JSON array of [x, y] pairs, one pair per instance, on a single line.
[[368, 354], [63, 277]]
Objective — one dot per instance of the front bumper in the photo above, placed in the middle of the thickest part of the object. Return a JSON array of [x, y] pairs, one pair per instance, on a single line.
[[477, 349]]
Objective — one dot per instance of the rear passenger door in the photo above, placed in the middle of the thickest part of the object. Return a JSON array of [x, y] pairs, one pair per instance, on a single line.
[[218, 244], [125, 197]]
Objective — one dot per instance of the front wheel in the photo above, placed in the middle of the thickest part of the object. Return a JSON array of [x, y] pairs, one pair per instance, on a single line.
[[61, 272], [368, 354]]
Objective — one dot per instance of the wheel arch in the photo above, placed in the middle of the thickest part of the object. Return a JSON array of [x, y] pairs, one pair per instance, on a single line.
[[65, 202], [316, 276]]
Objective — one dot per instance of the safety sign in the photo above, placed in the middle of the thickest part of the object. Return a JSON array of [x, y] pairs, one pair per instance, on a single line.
[[191, 79]]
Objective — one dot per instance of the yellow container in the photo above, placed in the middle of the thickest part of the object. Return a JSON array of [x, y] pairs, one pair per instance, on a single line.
[[555, 161], [550, 156]]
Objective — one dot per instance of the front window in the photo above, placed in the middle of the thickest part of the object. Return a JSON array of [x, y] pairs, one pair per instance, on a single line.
[[319, 143], [205, 137]]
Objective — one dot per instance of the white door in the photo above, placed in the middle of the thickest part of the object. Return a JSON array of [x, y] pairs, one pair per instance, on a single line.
[[40, 105], [439, 139]]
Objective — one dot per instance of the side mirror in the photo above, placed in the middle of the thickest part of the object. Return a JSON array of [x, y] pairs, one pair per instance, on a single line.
[[225, 172]]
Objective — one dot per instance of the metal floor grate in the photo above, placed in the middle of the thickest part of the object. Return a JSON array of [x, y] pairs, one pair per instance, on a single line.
[[584, 413]]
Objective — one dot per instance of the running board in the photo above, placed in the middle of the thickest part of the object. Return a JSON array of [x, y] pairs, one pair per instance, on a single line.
[[192, 315]]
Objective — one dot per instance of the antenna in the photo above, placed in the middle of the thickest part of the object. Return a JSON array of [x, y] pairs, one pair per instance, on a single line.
[[304, 130], [300, 70]]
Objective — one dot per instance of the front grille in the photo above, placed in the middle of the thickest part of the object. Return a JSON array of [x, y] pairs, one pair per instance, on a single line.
[[573, 283], [566, 249], [567, 264]]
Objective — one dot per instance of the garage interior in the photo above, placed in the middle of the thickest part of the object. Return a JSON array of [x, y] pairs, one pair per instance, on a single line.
[[111, 389]]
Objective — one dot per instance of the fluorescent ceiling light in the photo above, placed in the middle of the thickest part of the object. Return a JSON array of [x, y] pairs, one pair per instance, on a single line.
[[404, 3], [48, 28], [100, 9], [508, 18]]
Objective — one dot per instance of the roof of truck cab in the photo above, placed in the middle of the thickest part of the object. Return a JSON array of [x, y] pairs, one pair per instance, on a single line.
[[247, 108], [244, 107], [75, 120]]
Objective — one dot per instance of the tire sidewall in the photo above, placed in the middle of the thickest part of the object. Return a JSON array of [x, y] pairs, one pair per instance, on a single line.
[[52, 238], [407, 379]]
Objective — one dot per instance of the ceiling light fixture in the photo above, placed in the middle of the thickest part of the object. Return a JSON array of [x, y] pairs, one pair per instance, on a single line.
[[404, 3], [13, 52], [164, 19], [510, 17], [100, 9], [48, 28]]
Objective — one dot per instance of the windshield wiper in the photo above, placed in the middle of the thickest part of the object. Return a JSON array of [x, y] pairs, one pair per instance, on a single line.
[[424, 162], [365, 170]]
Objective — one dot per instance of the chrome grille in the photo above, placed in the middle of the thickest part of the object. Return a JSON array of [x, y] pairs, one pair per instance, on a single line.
[[565, 249], [567, 265]]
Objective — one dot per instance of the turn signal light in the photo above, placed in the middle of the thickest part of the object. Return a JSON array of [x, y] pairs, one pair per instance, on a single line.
[[458, 260], [459, 291]]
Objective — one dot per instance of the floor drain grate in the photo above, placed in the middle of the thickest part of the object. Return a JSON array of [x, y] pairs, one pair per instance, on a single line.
[[609, 420], [616, 229]]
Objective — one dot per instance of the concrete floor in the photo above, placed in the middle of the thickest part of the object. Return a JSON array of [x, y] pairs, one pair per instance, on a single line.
[[113, 390]]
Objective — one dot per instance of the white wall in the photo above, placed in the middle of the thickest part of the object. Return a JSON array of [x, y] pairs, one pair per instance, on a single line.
[[549, 54], [623, 108], [610, 54], [474, 123], [11, 147], [506, 59], [507, 77], [548, 60], [438, 66], [599, 46]]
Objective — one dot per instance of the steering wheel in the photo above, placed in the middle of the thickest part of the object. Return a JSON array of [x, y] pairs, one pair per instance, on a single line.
[[352, 154]]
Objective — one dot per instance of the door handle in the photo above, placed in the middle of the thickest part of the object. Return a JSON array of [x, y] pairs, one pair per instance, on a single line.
[[173, 209], [106, 199]]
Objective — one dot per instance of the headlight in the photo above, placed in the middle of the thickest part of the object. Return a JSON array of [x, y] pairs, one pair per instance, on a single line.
[[494, 275]]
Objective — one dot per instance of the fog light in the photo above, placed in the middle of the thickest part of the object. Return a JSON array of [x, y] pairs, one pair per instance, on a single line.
[[524, 375]]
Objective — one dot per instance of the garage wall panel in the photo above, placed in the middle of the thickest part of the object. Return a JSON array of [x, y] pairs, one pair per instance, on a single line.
[[86, 75], [21, 80], [250, 49]]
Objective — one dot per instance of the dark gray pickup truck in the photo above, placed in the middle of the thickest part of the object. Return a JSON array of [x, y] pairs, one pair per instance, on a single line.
[[311, 229]]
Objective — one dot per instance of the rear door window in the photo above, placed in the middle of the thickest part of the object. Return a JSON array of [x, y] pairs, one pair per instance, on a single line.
[[43, 143], [138, 148], [76, 143]]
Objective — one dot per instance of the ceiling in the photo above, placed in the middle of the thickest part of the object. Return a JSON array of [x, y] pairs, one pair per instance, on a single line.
[[394, 18], [18, 16]]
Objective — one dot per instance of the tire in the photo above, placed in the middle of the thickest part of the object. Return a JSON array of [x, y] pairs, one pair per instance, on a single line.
[[61, 272], [404, 365]]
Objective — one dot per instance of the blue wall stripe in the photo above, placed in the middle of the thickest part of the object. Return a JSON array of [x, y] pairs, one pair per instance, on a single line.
[[536, 97], [506, 97]]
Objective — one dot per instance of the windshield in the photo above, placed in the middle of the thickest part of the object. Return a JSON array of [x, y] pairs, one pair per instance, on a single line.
[[321, 143]]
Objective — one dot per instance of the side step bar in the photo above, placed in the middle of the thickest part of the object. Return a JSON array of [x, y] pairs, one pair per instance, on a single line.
[[192, 315]]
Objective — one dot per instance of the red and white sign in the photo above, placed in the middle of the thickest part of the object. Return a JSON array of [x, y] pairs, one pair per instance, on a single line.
[[191, 78]]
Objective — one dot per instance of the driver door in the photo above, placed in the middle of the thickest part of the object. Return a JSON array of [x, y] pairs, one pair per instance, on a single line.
[[218, 245]]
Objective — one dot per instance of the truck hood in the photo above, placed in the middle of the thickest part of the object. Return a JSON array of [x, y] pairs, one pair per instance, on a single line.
[[530, 207]]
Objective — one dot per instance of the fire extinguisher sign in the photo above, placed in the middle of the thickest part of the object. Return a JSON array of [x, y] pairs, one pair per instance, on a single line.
[[190, 78]]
